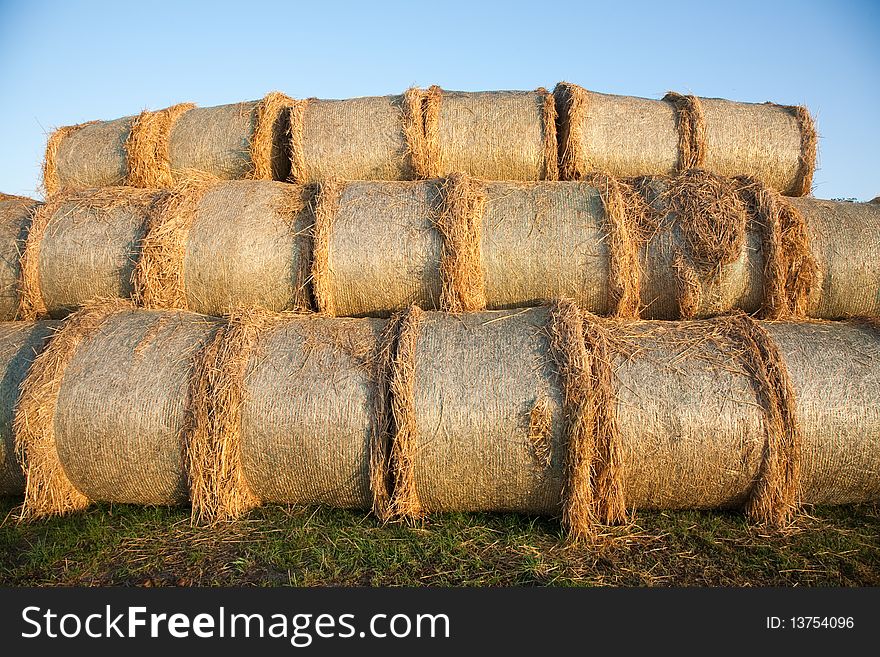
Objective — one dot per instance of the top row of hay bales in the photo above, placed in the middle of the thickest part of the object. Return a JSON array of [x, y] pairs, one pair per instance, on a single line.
[[429, 133]]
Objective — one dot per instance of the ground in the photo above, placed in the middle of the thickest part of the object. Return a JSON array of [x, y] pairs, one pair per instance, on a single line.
[[145, 546]]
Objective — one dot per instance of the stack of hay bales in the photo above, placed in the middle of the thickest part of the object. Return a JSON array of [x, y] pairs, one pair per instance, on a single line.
[[617, 247], [557, 303]]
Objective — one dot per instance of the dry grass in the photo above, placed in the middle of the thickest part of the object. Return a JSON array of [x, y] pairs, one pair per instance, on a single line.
[[791, 272], [809, 147], [712, 219], [431, 102], [270, 112], [540, 431], [692, 141], [626, 221], [149, 162], [296, 119], [609, 496], [218, 487], [326, 207], [571, 106], [548, 127], [405, 501], [460, 224], [572, 361], [413, 118], [158, 278], [775, 496]]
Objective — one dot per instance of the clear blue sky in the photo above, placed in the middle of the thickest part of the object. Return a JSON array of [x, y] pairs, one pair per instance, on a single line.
[[68, 62]]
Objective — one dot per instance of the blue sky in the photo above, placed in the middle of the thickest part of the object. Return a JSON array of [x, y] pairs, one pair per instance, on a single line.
[[68, 62]]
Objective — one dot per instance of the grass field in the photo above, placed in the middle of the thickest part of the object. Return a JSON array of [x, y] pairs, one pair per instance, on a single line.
[[144, 546]]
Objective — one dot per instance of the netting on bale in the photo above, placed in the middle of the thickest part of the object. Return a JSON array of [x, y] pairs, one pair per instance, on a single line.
[[20, 342], [354, 139], [157, 149], [496, 135], [628, 136]]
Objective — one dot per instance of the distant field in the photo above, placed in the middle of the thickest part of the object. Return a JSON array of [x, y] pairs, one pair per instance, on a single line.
[[142, 546]]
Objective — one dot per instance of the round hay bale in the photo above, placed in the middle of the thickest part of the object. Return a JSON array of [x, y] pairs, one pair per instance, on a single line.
[[495, 135], [457, 244], [843, 238], [692, 433], [383, 252], [241, 242], [627, 136], [90, 155], [217, 246], [20, 342], [121, 409], [86, 245], [154, 149], [308, 412], [217, 140], [474, 449], [15, 222], [835, 374], [351, 139], [248, 245]]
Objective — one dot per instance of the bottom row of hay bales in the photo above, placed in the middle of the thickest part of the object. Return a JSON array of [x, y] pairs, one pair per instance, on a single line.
[[435, 412]]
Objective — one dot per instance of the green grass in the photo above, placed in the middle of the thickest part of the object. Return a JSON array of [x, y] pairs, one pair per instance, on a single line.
[[145, 546]]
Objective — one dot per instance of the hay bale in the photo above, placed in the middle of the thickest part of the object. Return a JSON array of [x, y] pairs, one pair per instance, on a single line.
[[352, 139], [15, 221], [473, 449], [308, 415], [87, 155], [628, 136], [238, 242], [496, 135], [425, 134], [692, 434], [691, 414], [154, 149], [843, 238], [20, 342], [536, 410], [690, 246], [84, 246], [145, 402], [391, 223], [118, 413], [290, 414], [214, 247]]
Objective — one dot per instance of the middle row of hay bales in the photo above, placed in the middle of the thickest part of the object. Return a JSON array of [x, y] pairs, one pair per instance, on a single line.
[[545, 410], [689, 246], [428, 133]]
